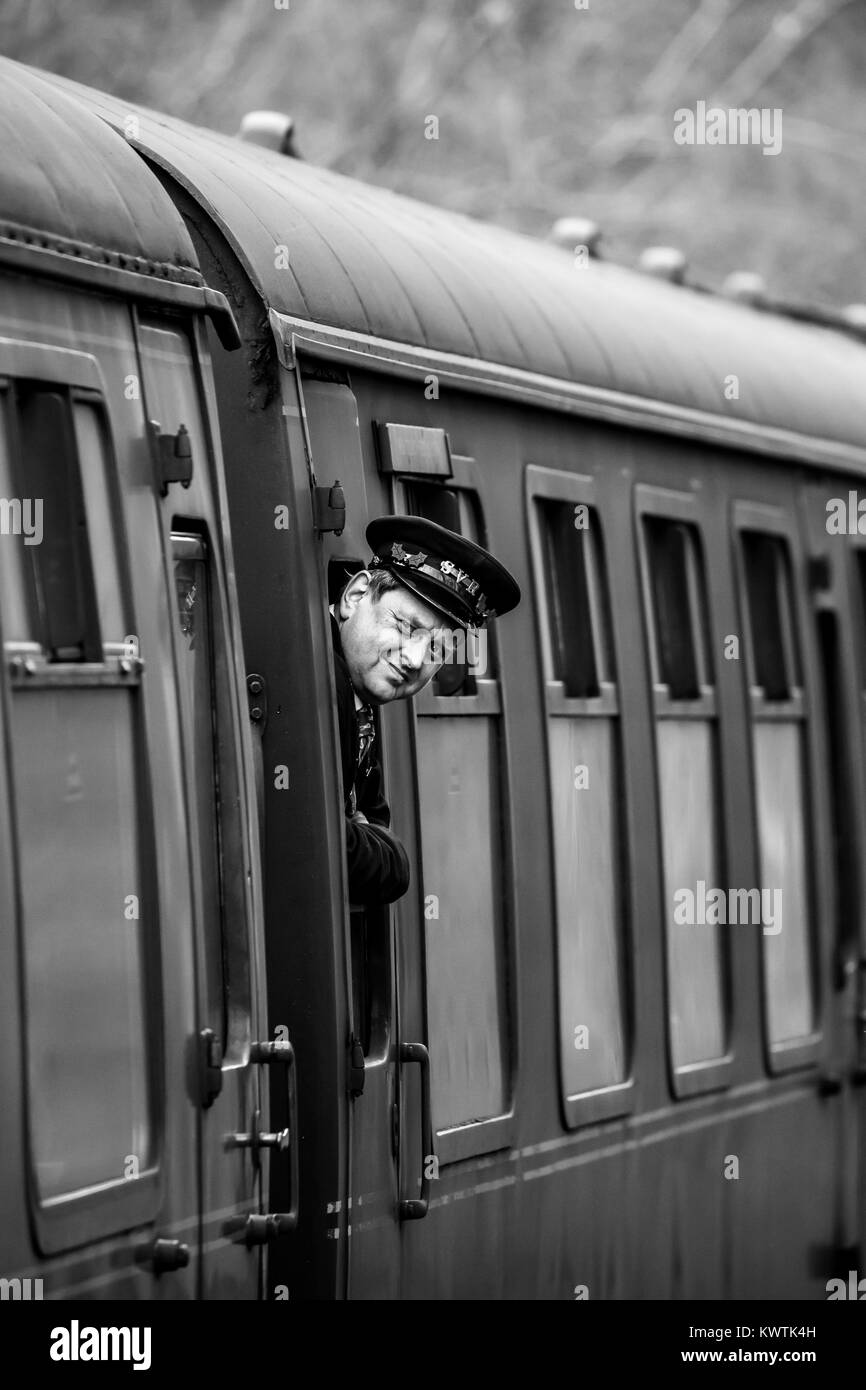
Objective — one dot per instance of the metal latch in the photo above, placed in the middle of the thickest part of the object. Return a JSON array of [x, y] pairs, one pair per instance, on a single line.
[[329, 508], [173, 456], [210, 1065], [356, 1067]]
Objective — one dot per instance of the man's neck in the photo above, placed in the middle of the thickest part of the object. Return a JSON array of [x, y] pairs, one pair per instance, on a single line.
[[359, 703]]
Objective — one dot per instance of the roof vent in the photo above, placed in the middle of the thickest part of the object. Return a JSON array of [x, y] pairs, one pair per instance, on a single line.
[[745, 287], [574, 232], [665, 262], [855, 316], [272, 129]]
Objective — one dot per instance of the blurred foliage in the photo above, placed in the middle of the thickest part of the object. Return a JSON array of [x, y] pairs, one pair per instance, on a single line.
[[544, 108]]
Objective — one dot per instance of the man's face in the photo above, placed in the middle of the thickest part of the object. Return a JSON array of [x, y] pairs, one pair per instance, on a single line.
[[393, 645]]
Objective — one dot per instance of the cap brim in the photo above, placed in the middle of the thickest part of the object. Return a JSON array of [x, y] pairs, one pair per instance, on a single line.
[[418, 587]]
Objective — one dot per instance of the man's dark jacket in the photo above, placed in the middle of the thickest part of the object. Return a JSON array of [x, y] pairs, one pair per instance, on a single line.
[[378, 866]]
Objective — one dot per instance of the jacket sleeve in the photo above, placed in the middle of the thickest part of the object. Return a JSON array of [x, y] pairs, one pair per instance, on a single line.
[[378, 863]]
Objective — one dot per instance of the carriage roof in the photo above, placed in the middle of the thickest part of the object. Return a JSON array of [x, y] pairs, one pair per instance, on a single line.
[[328, 250], [72, 191]]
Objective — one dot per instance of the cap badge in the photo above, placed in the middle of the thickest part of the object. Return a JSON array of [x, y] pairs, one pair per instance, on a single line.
[[404, 558], [445, 571]]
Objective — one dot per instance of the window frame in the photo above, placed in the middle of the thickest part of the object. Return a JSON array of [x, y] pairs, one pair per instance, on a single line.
[[773, 521], [554, 485], [192, 535], [107, 1208], [673, 505], [494, 1132]]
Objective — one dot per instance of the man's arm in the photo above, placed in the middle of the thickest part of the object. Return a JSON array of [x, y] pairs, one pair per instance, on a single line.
[[378, 865]]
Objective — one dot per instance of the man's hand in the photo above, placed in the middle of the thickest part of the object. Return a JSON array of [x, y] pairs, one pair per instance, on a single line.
[[358, 818]]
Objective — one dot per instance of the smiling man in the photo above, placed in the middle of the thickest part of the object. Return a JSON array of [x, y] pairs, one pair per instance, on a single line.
[[393, 627]]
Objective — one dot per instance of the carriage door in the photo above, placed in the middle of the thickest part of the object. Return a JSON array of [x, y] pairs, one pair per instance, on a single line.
[[369, 1219], [454, 929], [223, 1085]]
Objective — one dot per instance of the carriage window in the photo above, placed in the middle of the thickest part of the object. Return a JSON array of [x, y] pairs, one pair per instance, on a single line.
[[678, 607], [584, 777], [92, 450], [65, 614], [81, 824], [572, 567], [13, 519], [778, 744], [688, 779], [774, 666], [461, 827]]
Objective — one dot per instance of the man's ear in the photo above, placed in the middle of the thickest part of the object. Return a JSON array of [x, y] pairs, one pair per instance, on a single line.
[[353, 593]]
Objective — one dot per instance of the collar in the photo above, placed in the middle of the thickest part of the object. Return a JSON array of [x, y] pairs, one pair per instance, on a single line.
[[359, 703]]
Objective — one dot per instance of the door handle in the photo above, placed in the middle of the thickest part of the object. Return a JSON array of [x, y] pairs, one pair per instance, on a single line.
[[282, 1053], [256, 1139], [163, 1255], [414, 1208]]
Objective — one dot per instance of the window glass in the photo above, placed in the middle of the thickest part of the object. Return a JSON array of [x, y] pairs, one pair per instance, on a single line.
[[68, 626], [12, 548], [571, 630], [768, 585], [98, 491], [778, 745], [589, 904], [779, 790], [83, 926], [676, 590], [687, 795], [79, 809], [459, 804]]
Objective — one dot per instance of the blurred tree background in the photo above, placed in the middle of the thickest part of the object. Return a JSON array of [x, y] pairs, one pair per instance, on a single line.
[[544, 108]]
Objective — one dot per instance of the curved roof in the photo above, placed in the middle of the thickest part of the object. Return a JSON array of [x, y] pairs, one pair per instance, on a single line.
[[364, 259], [68, 184]]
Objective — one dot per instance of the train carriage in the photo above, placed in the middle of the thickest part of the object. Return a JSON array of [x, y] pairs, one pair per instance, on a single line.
[[609, 1045], [129, 843]]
